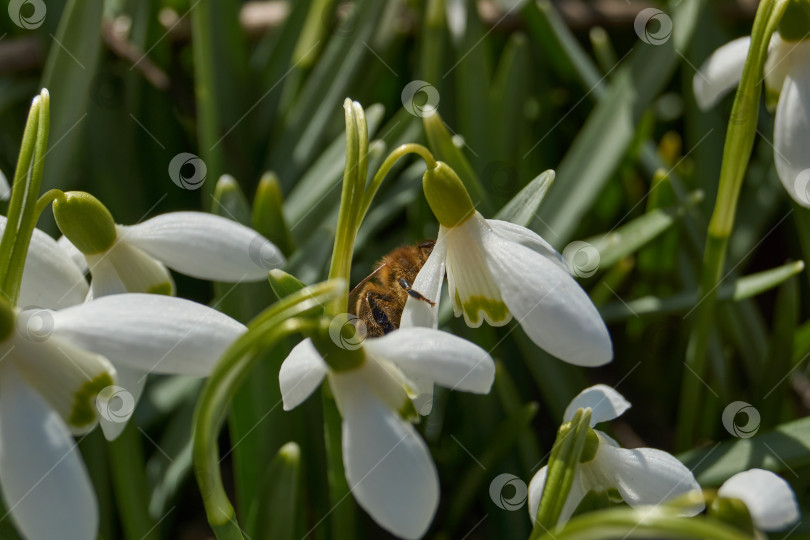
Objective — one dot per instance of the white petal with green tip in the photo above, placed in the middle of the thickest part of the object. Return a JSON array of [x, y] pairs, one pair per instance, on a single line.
[[153, 333], [45, 485]]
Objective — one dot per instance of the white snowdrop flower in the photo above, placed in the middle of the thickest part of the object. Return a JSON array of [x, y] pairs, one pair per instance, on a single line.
[[50, 279], [496, 270], [5, 189], [54, 366], [135, 258], [787, 79], [388, 466], [769, 499], [643, 476]]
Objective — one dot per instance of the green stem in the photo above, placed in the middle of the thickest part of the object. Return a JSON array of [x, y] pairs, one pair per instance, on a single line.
[[561, 472], [340, 266], [129, 483], [268, 328], [642, 523], [385, 168], [47, 198], [342, 516], [736, 153], [18, 192], [28, 217]]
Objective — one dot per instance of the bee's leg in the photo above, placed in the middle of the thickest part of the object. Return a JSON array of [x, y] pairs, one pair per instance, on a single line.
[[414, 294], [374, 301]]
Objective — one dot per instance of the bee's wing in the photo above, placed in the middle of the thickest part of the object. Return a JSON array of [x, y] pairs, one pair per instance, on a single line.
[[359, 286]]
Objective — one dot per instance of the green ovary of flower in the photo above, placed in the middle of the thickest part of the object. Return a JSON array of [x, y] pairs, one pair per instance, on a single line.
[[85, 222], [84, 411], [496, 310], [795, 24], [590, 448], [446, 195]]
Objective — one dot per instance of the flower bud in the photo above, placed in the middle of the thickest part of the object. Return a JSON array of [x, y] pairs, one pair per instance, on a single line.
[[446, 195], [85, 222]]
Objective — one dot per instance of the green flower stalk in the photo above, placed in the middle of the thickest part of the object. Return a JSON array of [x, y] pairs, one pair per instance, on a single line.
[[737, 150]]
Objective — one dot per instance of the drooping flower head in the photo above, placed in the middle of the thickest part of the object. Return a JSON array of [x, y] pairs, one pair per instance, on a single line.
[[787, 83], [496, 270], [375, 384], [642, 476], [135, 258], [769, 500]]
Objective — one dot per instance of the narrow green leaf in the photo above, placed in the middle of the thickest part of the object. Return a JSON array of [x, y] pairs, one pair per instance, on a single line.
[[784, 449], [523, 206], [609, 130], [441, 144], [745, 287], [68, 75], [274, 512]]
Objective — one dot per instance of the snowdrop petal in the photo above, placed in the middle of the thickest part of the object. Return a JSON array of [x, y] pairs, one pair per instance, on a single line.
[[575, 496], [605, 402], [456, 12], [530, 239], [777, 66], [474, 290], [150, 332], [441, 357], [120, 401], [5, 189], [67, 376], [105, 280], [137, 271], [388, 466], [769, 499], [71, 251], [429, 283], [792, 129], [301, 373], [549, 304], [721, 72], [50, 279], [44, 482], [205, 246], [644, 476]]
